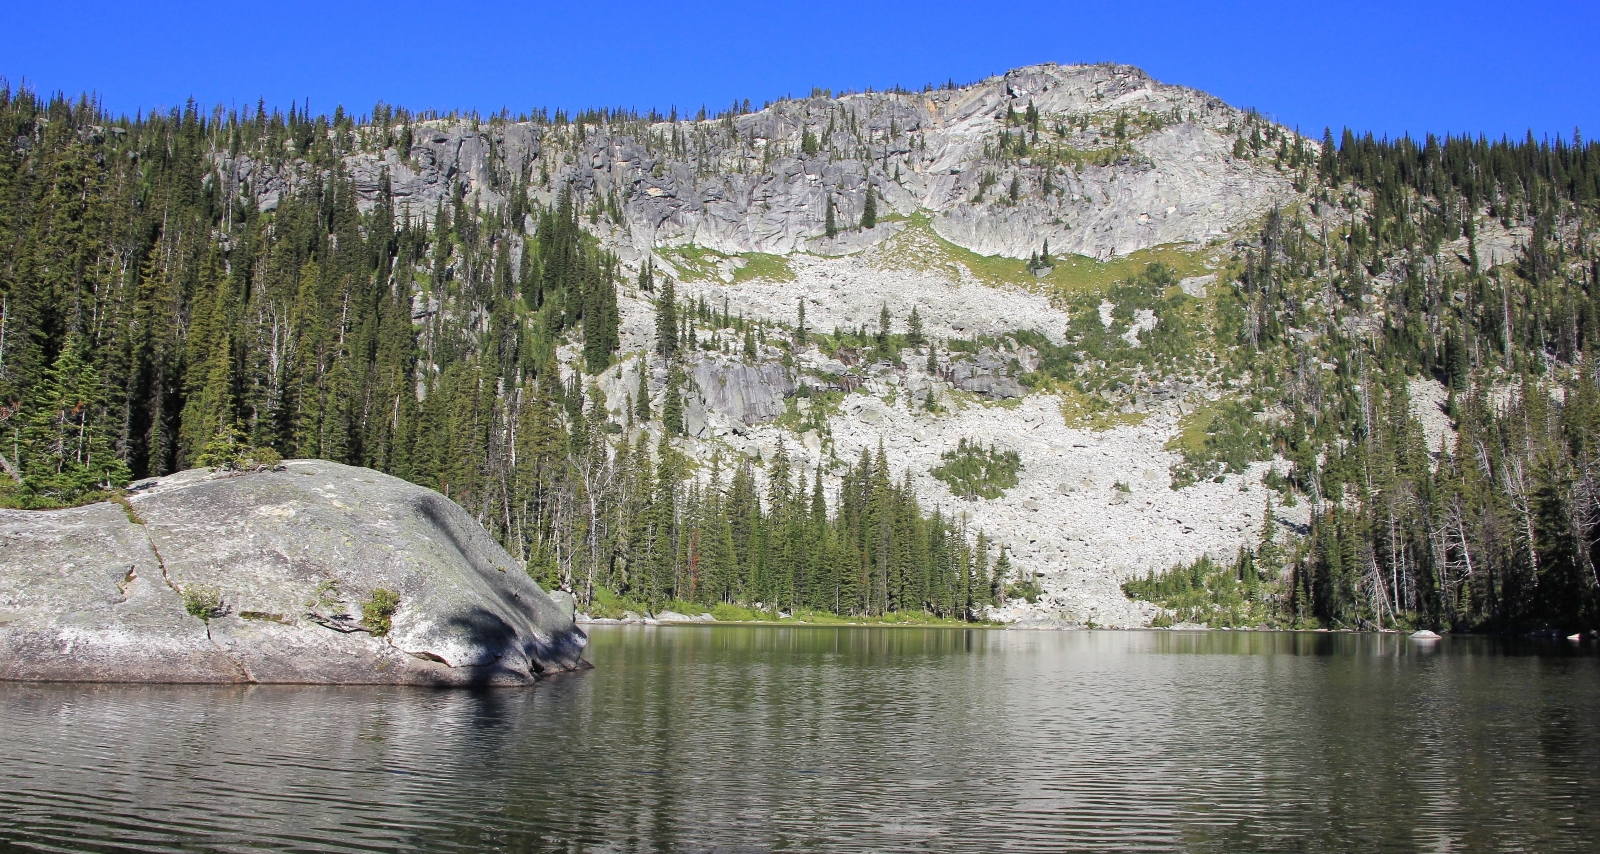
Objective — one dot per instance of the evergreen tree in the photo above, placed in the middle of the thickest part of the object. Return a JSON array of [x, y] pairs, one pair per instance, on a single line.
[[914, 335], [672, 402], [641, 397], [667, 320]]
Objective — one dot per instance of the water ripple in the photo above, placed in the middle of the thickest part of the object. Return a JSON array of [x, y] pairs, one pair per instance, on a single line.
[[757, 739]]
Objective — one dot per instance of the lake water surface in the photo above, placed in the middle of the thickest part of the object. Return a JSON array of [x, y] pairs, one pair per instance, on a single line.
[[740, 738]]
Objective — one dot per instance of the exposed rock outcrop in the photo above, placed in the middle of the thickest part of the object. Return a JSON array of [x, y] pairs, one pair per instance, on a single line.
[[740, 393], [283, 562], [1120, 162], [987, 374]]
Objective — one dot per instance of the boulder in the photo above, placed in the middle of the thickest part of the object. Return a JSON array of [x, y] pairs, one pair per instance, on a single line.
[[275, 569], [985, 375]]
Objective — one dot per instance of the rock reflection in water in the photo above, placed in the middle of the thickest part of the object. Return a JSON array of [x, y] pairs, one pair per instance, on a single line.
[[730, 737]]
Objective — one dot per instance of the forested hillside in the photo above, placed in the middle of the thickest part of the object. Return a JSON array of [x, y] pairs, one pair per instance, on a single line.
[[1468, 262], [158, 312], [153, 318]]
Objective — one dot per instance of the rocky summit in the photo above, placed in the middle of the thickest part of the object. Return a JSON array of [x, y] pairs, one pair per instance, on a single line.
[[313, 573]]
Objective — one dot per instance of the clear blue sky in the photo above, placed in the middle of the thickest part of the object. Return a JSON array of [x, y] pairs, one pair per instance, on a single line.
[[1389, 67]]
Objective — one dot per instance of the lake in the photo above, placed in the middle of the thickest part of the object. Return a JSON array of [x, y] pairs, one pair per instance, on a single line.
[[746, 738]]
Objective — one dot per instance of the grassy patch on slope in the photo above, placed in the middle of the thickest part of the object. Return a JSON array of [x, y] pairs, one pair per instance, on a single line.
[[919, 247], [697, 263]]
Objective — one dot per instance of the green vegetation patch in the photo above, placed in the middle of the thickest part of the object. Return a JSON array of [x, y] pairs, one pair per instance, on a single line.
[[760, 265], [1220, 438], [973, 471], [605, 604], [697, 263], [1076, 274], [378, 611], [920, 247], [1083, 411], [203, 601], [1210, 593]]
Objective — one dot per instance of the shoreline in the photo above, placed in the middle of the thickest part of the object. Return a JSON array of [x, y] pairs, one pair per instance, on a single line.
[[1016, 627]]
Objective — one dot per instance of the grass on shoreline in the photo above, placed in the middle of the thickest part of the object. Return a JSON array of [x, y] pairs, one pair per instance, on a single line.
[[608, 605]]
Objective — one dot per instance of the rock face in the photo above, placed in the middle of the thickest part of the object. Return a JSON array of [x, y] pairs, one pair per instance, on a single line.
[[743, 394], [1126, 163], [287, 559]]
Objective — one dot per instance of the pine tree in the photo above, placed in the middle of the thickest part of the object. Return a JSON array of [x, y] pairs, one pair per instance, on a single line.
[[829, 227], [641, 397], [667, 320], [672, 402], [869, 210], [914, 335]]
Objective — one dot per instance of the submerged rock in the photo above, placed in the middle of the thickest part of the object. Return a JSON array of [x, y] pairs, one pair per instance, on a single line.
[[263, 577]]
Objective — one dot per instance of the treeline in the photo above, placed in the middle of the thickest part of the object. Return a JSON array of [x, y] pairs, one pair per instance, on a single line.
[[1494, 528], [152, 316], [657, 535]]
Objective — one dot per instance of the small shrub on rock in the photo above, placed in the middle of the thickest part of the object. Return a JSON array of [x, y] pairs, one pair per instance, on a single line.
[[203, 601], [266, 459], [378, 610], [228, 452]]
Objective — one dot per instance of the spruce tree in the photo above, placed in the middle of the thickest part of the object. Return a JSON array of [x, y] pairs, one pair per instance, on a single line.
[[672, 402], [641, 396], [667, 320], [869, 210]]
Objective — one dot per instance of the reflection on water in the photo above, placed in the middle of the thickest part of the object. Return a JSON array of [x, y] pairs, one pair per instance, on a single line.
[[747, 738]]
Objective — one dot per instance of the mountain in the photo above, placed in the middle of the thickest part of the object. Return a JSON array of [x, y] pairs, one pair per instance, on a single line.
[[1013, 349]]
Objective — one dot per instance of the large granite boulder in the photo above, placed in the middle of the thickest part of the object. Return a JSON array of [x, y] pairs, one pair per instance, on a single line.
[[262, 577]]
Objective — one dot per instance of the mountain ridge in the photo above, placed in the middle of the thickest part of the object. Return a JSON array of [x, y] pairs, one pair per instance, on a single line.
[[1101, 209]]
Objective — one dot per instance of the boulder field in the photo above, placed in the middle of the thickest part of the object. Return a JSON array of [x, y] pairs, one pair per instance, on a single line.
[[287, 576]]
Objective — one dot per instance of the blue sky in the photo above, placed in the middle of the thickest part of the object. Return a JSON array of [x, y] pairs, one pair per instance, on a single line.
[[1389, 67]]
